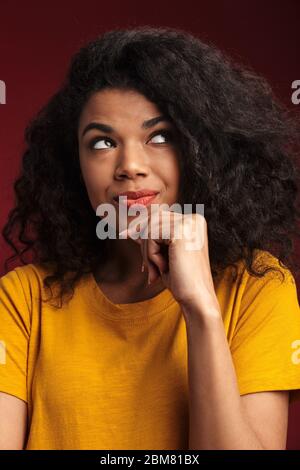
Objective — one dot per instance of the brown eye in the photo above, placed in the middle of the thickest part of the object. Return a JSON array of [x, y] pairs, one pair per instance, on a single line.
[[97, 140], [166, 135]]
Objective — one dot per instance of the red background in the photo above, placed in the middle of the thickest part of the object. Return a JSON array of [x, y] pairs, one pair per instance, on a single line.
[[37, 40]]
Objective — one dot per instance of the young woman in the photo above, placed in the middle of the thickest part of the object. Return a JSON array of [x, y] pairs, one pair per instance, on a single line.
[[208, 352]]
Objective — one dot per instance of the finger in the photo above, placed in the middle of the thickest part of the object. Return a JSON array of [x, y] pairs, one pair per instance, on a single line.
[[151, 250], [128, 233], [151, 268], [144, 246], [155, 255], [145, 261], [157, 262], [158, 246]]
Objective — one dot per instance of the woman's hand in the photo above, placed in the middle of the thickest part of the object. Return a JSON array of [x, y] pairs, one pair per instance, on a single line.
[[180, 256]]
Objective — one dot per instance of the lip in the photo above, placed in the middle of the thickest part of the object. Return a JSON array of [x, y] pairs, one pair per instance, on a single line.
[[145, 200], [137, 194]]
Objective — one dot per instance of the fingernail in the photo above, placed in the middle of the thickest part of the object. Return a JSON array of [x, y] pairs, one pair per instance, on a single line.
[[149, 279], [143, 267]]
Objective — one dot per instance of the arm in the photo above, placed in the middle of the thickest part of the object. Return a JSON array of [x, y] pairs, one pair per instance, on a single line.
[[219, 417], [13, 422]]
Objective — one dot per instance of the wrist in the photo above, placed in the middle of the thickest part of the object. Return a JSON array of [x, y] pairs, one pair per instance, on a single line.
[[198, 310], [201, 305]]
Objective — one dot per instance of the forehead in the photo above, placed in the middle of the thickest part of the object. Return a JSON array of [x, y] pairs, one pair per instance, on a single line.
[[118, 105]]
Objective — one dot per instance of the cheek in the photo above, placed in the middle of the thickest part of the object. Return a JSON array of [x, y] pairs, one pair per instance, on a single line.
[[96, 180], [170, 173]]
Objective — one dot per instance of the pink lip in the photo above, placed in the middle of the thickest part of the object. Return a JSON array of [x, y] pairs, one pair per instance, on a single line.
[[137, 194], [141, 200]]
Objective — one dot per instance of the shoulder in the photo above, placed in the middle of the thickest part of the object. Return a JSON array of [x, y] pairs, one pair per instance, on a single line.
[[24, 283], [273, 295], [272, 272], [266, 335], [253, 296], [275, 276], [32, 273]]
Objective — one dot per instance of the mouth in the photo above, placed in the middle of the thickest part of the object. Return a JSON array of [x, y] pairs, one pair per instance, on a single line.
[[127, 202]]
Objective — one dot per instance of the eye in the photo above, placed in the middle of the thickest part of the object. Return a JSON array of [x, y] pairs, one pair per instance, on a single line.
[[166, 134], [97, 140], [163, 132]]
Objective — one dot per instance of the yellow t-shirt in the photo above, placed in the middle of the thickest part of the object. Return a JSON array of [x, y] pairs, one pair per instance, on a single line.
[[99, 375]]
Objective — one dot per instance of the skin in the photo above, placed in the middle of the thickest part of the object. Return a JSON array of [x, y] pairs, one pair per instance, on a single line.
[[136, 159], [219, 417], [133, 162], [13, 422]]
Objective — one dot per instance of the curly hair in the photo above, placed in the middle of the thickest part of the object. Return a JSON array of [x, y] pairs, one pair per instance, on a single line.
[[239, 143]]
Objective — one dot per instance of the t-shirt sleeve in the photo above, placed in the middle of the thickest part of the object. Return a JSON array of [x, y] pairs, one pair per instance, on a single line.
[[14, 336], [266, 342]]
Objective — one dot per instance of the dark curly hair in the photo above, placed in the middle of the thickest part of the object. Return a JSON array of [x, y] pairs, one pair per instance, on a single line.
[[239, 147]]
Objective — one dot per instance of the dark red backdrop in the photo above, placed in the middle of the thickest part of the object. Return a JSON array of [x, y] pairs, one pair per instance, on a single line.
[[37, 40]]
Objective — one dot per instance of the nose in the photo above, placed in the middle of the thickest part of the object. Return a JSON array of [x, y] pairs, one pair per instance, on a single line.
[[131, 162]]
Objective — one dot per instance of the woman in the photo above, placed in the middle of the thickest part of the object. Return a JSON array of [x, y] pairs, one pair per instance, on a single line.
[[209, 351]]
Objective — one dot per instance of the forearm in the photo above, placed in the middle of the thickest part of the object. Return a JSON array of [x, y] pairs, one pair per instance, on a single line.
[[217, 420]]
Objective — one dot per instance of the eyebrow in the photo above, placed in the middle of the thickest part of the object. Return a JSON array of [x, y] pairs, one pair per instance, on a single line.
[[106, 128]]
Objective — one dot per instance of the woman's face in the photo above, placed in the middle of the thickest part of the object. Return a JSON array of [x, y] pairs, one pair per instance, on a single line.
[[130, 156]]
